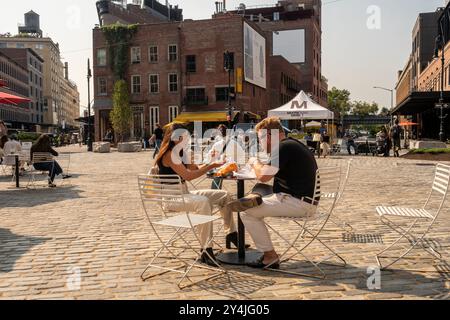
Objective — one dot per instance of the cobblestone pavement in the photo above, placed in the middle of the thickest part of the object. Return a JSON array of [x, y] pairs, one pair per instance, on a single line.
[[94, 225]]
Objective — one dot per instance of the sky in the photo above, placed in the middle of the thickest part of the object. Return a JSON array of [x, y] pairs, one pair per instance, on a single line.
[[364, 42]]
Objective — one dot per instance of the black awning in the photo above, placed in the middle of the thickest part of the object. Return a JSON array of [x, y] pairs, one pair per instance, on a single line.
[[418, 102], [85, 119]]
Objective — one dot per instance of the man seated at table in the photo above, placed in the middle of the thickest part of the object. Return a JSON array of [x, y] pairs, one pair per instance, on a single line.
[[11, 147], [293, 168]]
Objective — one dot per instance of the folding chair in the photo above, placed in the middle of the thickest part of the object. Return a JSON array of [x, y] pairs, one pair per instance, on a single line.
[[167, 192], [423, 217], [340, 224], [337, 147], [38, 157], [327, 181], [64, 161], [26, 151], [9, 161]]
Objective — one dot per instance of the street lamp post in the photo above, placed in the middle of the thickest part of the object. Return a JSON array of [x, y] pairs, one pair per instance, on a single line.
[[441, 105], [392, 99], [89, 76]]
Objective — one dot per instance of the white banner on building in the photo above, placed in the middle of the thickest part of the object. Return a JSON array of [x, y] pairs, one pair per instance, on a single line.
[[254, 57]]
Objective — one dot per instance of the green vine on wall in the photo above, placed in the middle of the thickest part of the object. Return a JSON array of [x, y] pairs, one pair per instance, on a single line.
[[119, 37]]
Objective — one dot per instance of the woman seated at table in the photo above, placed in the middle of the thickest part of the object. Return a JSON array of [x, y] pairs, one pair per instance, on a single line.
[[170, 161], [42, 145]]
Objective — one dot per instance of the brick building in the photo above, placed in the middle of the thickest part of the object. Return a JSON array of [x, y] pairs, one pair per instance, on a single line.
[[33, 62], [296, 15], [176, 67], [53, 73], [419, 83], [15, 76]]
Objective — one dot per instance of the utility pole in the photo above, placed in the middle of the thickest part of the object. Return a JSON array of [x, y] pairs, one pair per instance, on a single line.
[[441, 105], [89, 76]]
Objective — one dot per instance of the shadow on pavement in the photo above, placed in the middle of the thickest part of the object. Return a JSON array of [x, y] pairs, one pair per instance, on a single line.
[[401, 281], [17, 198], [13, 247]]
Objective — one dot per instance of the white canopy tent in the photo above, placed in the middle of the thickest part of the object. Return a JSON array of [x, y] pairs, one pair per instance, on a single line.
[[302, 107]]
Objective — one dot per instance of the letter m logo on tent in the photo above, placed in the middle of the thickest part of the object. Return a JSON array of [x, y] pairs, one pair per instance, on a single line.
[[296, 105]]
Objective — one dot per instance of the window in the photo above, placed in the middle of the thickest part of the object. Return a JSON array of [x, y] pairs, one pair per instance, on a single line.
[[173, 113], [191, 64], [101, 57], [135, 84], [173, 82], [20, 45], [135, 55], [153, 54], [173, 52], [154, 83], [195, 95], [102, 87], [222, 93]]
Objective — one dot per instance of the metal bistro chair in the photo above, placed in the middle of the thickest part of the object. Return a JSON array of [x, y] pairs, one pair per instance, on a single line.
[[423, 217], [327, 181], [64, 161], [9, 161], [336, 147], [167, 192], [38, 157], [331, 195]]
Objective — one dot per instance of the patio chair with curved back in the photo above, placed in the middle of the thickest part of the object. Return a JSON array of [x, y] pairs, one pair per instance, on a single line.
[[424, 218], [166, 195], [345, 226], [327, 181], [38, 157]]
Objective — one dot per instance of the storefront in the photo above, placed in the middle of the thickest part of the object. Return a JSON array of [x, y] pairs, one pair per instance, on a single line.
[[419, 107]]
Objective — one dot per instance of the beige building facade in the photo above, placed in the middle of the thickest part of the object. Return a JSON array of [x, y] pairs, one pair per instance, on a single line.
[[55, 88]]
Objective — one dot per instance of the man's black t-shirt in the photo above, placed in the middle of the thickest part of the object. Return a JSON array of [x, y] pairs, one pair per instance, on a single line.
[[297, 169], [159, 134]]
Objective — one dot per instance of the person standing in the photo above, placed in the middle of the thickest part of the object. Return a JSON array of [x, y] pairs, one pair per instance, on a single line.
[[159, 135], [350, 142], [396, 132]]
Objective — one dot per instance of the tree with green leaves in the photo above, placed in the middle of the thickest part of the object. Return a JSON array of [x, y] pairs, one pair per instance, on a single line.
[[384, 112], [363, 108], [339, 100], [121, 114]]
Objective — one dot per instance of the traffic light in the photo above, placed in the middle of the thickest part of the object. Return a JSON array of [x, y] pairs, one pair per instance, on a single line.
[[228, 61]]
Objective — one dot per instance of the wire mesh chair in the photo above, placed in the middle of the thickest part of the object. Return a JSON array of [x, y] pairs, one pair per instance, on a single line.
[[38, 157], [336, 221], [64, 161], [327, 181], [424, 217], [168, 193], [9, 161]]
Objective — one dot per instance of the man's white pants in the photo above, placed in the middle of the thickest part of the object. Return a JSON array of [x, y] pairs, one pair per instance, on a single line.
[[275, 205]]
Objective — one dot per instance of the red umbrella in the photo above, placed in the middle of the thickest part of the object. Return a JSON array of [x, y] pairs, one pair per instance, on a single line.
[[12, 99]]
